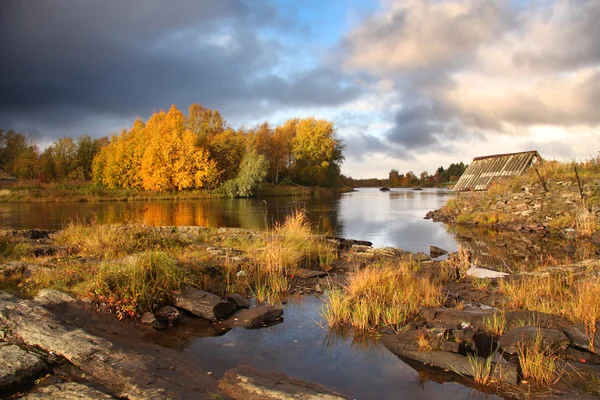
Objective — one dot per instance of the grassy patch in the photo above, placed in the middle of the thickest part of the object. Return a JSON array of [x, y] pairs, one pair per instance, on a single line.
[[559, 294], [379, 295], [109, 241]]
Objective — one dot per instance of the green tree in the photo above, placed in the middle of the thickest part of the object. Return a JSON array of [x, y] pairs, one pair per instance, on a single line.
[[252, 172]]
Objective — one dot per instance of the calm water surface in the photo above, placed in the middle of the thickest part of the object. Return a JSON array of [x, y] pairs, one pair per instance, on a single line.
[[301, 345], [392, 218]]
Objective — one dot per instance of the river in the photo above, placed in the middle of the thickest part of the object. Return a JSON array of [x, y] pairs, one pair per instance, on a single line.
[[301, 346], [392, 218]]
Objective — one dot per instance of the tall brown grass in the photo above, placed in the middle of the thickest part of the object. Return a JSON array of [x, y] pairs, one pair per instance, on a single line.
[[109, 241], [538, 362], [379, 295], [562, 293]]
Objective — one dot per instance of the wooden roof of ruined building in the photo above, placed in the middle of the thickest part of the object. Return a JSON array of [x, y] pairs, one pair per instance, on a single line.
[[484, 170], [6, 176]]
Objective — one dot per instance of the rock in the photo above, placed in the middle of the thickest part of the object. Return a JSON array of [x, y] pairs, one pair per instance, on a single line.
[[18, 365], [420, 257], [51, 297], [66, 391], [478, 272], [303, 273], [579, 338], [253, 318], [469, 317], [247, 383], [239, 300], [167, 314], [435, 251], [551, 338], [148, 319], [585, 356], [203, 304], [131, 369], [449, 361], [35, 234]]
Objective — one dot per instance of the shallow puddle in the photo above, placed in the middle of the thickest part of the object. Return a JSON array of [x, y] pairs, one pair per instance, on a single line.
[[303, 347]]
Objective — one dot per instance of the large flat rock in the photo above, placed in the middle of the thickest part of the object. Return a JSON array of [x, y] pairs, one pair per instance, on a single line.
[[203, 304], [126, 365], [18, 365], [67, 391], [551, 339], [506, 372], [247, 383]]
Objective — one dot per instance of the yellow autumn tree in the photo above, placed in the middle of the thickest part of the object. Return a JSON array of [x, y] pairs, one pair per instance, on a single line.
[[172, 160], [317, 152]]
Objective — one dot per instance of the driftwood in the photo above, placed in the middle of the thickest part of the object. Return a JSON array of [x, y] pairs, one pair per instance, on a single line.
[[203, 304]]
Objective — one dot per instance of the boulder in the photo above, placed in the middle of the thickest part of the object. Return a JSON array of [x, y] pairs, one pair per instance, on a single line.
[[18, 365], [551, 338], [167, 314], [303, 273], [578, 336], [203, 304], [239, 300], [51, 297], [582, 356], [247, 383], [131, 369], [452, 318], [435, 251], [420, 257], [253, 318], [66, 391], [506, 372]]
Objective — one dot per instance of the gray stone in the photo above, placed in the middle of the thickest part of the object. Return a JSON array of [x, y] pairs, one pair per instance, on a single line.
[[51, 297], [449, 361], [551, 338], [66, 391], [148, 319], [579, 338], [247, 383], [239, 300], [18, 365], [203, 304], [167, 314], [303, 273], [253, 318], [420, 257], [132, 370], [435, 251]]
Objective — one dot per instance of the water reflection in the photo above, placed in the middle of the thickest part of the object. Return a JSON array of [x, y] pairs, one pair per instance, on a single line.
[[515, 251], [303, 347], [392, 218]]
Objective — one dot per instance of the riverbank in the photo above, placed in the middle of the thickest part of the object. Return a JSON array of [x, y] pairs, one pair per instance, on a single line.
[[444, 313], [555, 198], [88, 192]]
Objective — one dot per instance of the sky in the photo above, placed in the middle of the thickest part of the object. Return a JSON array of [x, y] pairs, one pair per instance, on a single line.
[[410, 84]]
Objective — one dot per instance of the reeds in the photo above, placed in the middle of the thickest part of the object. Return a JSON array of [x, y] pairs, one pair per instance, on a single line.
[[538, 363], [379, 295]]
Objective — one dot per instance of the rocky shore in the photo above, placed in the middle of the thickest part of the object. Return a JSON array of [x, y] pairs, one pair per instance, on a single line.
[[55, 346]]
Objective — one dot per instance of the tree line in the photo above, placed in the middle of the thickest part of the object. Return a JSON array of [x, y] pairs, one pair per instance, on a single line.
[[410, 179], [171, 151]]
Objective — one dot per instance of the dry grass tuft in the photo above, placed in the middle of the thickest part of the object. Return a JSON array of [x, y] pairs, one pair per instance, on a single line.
[[379, 295], [110, 241], [538, 363]]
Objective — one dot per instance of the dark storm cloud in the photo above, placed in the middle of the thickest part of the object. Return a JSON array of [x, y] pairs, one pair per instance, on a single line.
[[69, 60]]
